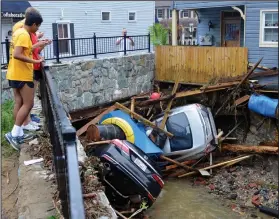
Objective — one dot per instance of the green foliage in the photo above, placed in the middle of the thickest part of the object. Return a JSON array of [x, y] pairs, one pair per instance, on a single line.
[[7, 122], [158, 34]]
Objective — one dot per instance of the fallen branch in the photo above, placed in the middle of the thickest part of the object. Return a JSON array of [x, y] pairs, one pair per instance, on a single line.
[[250, 149], [8, 178], [217, 165]]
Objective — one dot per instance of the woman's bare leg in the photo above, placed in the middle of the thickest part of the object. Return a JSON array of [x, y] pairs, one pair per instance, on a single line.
[[28, 119], [27, 95], [18, 101]]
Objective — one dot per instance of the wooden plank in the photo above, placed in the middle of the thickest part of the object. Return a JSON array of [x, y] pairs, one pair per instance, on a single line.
[[166, 114], [140, 118], [250, 149], [241, 100], [95, 120], [218, 165]]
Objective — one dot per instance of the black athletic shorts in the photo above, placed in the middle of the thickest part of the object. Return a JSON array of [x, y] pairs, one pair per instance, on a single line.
[[37, 75], [20, 84]]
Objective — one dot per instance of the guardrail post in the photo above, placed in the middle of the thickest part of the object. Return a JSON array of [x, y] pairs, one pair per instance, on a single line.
[[125, 40], [95, 45], [149, 42], [7, 44], [57, 49]]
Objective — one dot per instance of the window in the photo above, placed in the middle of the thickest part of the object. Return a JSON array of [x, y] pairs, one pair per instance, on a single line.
[[160, 13], [63, 31], [184, 14], [170, 13], [179, 126], [269, 28], [132, 16], [106, 16]]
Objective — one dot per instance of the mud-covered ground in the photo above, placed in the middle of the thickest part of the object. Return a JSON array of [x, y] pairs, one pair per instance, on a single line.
[[240, 183]]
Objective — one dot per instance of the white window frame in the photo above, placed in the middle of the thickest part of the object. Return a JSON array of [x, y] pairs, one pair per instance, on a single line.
[[261, 35], [170, 13], [132, 21], [106, 21], [182, 13], [163, 13], [69, 34]]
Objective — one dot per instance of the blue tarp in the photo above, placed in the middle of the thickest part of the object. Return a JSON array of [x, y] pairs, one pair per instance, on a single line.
[[141, 139], [263, 105]]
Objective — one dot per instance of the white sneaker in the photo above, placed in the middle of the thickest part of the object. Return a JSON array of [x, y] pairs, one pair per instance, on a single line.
[[30, 127], [35, 123]]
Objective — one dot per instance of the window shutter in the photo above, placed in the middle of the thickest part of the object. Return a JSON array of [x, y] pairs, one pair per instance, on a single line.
[[54, 31], [72, 33]]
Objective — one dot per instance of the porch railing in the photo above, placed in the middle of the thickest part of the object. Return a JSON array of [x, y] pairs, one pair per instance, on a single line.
[[63, 140]]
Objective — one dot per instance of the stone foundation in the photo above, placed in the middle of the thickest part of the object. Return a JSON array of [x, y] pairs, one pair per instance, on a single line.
[[88, 83]]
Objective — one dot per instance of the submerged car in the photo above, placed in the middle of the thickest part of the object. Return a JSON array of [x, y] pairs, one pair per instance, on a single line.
[[194, 132], [129, 176]]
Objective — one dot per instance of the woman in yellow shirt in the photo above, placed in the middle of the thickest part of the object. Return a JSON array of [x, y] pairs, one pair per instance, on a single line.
[[20, 75]]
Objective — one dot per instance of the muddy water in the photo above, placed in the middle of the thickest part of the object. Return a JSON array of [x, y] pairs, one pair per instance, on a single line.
[[180, 200]]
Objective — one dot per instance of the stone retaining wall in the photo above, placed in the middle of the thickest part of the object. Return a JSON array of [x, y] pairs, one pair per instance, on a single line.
[[88, 83]]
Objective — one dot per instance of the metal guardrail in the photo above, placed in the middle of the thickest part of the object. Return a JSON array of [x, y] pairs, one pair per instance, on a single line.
[[91, 46], [63, 140]]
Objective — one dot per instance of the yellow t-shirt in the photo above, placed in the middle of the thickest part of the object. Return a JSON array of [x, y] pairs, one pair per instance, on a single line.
[[18, 25], [19, 70]]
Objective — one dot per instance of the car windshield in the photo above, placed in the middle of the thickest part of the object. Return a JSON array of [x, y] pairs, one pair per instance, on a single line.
[[179, 126]]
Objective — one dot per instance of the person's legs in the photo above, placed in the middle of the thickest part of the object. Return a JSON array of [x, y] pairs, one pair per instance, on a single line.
[[18, 101], [27, 94], [28, 124], [24, 93]]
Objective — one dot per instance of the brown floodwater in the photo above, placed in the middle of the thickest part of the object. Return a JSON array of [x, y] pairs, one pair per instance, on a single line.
[[180, 200]]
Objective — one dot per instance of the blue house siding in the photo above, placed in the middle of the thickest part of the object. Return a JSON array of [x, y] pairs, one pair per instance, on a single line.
[[206, 4], [214, 15], [212, 11], [253, 32]]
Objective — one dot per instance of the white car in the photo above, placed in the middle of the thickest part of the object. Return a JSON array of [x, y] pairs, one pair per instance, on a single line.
[[194, 132]]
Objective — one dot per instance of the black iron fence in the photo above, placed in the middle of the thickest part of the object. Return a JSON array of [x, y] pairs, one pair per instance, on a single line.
[[63, 140], [90, 46]]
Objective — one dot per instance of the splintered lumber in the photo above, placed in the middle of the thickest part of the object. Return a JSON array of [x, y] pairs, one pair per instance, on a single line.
[[95, 120], [241, 100], [150, 102], [173, 166], [132, 106], [185, 167], [239, 84], [220, 85], [166, 114], [99, 142], [259, 66], [250, 149], [143, 120], [194, 92], [218, 165]]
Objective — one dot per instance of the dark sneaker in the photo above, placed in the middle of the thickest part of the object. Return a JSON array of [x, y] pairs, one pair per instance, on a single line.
[[15, 142], [28, 137], [35, 118]]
